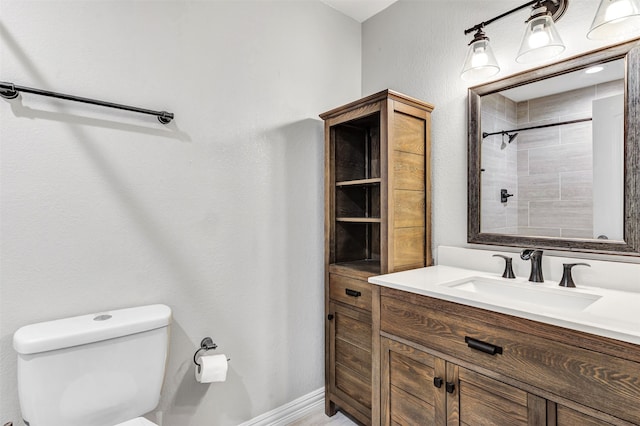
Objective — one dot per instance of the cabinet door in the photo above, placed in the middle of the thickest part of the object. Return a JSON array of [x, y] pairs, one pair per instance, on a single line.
[[479, 400], [412, 386], [350, 359]]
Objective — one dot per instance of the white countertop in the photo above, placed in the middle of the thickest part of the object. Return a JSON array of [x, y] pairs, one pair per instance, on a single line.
[[614, 313]]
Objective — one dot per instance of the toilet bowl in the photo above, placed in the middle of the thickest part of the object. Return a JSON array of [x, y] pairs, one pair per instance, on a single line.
[[103, 369]]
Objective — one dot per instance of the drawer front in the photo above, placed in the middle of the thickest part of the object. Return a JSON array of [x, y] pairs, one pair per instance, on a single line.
[[350, 291], [597, 380]]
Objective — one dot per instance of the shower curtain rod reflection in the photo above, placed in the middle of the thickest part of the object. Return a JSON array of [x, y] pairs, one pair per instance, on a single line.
[[504, 132], [11, 91]]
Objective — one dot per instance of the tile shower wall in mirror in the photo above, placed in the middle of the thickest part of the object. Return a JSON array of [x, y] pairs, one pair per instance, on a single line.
[[564, 180]]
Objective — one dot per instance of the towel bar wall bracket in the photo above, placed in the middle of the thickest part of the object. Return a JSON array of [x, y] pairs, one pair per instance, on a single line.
[[11, 91]]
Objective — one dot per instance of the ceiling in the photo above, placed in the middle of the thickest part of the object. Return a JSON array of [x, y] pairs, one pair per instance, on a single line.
[[360, 10]]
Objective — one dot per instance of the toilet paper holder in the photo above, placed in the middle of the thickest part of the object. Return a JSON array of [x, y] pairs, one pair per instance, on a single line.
[[206, 344]]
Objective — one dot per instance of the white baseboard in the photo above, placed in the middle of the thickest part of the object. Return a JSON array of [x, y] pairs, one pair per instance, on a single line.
[[291, 411]]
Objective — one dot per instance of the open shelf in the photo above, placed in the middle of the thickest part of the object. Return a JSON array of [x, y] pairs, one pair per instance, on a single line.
[[359, 182], [362, 268], [358, 201], [359, 219]]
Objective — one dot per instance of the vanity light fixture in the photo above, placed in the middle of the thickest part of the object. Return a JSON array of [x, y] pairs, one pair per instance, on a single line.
[[541, 39], [615, 19], [480, 62]]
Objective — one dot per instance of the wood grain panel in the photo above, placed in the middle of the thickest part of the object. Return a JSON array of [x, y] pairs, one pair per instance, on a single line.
[[407, 410], [412, 377], [490, 402], [338, 286], [558, 368], [352, 114], [353, 385], [353, 327], [408, 133], [567, 417], [408, 247], [481, 407], [408, 171], [354, 358], [409, 207]]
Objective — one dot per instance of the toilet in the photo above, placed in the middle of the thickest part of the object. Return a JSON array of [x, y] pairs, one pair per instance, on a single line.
[[103, 369]]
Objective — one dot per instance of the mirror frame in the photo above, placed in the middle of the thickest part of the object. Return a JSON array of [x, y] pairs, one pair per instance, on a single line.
[[630, 52]]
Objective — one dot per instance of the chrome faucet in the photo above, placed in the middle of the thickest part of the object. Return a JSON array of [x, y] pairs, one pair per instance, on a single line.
[[536, 264]]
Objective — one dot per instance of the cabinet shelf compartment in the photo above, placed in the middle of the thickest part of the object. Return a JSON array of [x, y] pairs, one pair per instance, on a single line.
[[357, 242], [358, 201], [359, 154]]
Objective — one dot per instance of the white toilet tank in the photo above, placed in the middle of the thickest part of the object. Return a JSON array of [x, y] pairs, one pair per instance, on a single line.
[[92, 370]]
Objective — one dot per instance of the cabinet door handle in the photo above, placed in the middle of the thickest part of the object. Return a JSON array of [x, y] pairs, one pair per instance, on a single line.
[[437, 382], [330, 317], [481, 346], [450, 387], [353, 293]]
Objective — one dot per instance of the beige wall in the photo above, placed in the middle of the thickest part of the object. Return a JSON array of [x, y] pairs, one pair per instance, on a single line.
[[218, 214]]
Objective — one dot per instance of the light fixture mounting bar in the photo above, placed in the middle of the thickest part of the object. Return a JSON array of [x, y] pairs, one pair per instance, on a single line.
[[556, 7]]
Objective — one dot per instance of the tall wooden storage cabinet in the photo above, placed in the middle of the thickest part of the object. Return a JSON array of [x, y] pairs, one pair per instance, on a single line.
[[377, 220]]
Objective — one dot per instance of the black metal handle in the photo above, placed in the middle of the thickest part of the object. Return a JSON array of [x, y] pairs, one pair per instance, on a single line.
[[330, 317], [481, 346], [450, 387], [508, 266], [437, 382], [567, 279], [504, 196], [353, 293]]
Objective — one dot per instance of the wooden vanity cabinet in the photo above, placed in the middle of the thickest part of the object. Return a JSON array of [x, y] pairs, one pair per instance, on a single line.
[[500, 369], [377, 220], [420, 388]]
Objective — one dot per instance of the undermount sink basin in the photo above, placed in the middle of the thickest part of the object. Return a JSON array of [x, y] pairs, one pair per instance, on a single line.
[[525, 293]]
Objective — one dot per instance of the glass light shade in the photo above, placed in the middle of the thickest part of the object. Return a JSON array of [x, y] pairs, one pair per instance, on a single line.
[[616, 19], [541, 40], [480, 62]]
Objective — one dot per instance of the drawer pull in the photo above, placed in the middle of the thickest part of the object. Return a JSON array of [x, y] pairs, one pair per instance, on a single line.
[[450, 387], [353, 293], [437, 382], [478, 345]]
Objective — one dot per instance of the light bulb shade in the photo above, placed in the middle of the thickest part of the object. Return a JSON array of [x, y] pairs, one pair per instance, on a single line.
[[615, 19], [480, 63], [541, 40]]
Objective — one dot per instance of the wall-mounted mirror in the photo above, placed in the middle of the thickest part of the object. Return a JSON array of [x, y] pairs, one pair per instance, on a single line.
[[554, 155]]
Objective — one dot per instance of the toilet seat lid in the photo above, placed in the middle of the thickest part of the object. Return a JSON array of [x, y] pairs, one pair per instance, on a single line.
[[138, 421]]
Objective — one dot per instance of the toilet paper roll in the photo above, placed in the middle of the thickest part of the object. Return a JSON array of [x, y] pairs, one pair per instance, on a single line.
[[213, 368]]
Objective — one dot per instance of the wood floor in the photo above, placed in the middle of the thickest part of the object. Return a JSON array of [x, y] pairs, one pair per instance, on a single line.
[[317, 417]]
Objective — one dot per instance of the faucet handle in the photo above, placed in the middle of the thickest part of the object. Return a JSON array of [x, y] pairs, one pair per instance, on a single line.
[[508, 267], [567, 279]]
